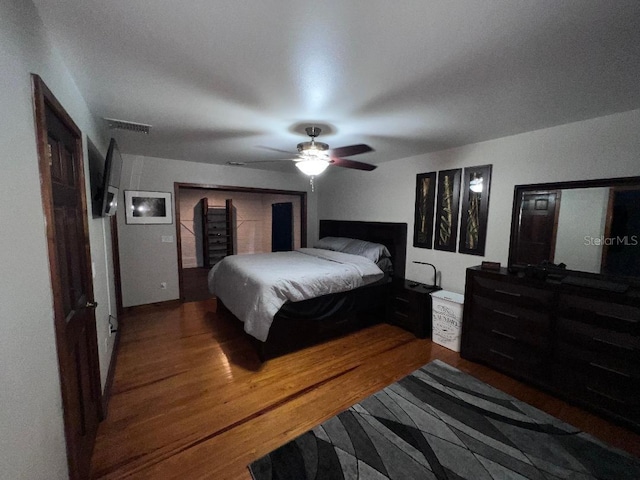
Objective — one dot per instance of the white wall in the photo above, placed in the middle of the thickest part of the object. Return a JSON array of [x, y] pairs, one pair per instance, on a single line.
[[598, 148], [32, 442], [583, 212], [145, 261]]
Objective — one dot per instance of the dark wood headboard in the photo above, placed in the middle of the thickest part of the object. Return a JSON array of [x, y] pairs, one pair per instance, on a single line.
[[391, 235]]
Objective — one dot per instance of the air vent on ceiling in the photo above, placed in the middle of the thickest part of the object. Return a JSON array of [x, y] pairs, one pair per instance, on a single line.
[[131, 126]]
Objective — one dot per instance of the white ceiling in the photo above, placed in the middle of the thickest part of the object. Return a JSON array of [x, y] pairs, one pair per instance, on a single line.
[[219, 80]]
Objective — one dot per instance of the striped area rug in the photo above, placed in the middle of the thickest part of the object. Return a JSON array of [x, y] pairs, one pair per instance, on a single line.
[[440, 423]]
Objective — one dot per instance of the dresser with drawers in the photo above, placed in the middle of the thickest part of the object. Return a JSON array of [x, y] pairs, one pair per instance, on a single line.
[[583, 344]]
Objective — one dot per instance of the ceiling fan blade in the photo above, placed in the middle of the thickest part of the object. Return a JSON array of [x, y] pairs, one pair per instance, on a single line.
[[350, 150], [242, 164], [279, 150], [346, 163]]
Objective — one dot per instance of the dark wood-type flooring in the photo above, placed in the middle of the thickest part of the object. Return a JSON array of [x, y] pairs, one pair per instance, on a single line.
[[191, 399]]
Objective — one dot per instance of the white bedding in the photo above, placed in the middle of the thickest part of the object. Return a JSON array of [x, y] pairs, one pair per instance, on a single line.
[[254, 287]]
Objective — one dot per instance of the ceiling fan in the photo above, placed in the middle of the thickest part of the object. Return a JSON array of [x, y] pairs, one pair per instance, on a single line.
[[314, 157]]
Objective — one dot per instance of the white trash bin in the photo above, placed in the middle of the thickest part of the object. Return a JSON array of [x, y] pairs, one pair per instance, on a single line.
[[447, 319]]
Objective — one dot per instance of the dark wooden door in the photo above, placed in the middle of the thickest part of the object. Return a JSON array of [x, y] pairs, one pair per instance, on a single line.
[[538, 227], [64, 201], [621, 249], [282, 227]]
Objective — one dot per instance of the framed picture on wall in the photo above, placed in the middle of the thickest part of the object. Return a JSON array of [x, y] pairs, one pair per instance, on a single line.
[[423, 216], [446, 232], [475, 209], [147, 208]]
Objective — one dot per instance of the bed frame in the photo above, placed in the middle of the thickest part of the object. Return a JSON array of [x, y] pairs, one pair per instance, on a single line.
[[391, 235], [287, 335]]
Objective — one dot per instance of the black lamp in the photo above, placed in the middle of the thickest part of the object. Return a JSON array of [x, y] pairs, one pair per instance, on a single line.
[[435, 273]]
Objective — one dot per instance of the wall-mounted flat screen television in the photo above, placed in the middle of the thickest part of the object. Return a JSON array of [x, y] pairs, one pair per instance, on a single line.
[[112, 171], [105, 179], [96, 173]]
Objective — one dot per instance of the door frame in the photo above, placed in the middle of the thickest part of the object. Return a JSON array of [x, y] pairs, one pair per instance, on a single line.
[[43, 98], [224, 188]]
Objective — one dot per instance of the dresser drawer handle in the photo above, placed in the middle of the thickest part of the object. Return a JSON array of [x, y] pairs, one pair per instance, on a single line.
[[613, 344], [400, 314], [616, 317], [400, 299], [501, 354], [612, 370], [502, 334], [512, 294], [605, 395], [506, 314]]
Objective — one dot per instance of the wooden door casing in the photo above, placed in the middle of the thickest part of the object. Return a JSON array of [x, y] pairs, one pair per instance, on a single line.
[[64, 202], [231, 226]]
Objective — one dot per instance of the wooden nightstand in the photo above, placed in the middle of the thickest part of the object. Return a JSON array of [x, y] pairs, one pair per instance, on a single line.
[[410, 306]]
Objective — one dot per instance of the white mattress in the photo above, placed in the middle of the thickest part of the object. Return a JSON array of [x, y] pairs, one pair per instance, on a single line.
[[254, 287]]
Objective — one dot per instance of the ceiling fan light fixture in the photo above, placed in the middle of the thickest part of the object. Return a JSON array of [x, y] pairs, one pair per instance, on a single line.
[[312, 166]]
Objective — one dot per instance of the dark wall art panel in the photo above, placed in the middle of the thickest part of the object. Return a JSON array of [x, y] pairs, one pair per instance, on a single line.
[[475, 209], [425, 200], [447, 212]]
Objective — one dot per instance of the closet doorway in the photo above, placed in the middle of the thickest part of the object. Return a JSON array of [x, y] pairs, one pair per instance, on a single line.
[[247, 228]]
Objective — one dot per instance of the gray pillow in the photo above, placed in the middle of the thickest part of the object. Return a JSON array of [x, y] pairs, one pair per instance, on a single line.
[[337, 244], [385, 265], [370, 250]]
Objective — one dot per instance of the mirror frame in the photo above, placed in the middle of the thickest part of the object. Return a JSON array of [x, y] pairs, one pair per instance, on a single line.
[[517, 202]]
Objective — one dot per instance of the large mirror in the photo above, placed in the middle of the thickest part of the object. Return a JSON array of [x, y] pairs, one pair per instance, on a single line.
[[590, 226]]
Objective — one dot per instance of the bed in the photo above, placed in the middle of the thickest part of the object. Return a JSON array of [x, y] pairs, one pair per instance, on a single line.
[[297, 324]]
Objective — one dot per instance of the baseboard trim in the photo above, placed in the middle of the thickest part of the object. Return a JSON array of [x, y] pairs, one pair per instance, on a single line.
[[106, 394], [150, 306]]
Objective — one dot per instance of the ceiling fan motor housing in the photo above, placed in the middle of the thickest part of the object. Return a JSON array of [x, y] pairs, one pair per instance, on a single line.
[[319, 146], [312, 147]]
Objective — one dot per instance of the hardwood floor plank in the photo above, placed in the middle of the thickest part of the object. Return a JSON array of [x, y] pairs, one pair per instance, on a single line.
[[190, 398]]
